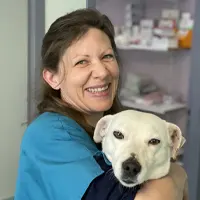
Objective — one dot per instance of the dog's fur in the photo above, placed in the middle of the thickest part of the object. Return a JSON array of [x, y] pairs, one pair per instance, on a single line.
[[143, 158]]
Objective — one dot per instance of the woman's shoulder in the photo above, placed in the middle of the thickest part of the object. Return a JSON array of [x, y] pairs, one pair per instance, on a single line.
[[55, 128], [50, 123], [55, 120]]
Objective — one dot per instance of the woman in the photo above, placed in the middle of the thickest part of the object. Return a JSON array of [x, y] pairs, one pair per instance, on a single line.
[[59, 160]]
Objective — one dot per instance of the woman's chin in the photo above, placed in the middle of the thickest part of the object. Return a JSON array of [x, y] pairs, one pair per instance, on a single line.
[[100, 106]]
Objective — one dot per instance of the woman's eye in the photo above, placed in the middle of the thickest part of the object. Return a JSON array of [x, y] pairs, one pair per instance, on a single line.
[[81, 62], [108, 57]]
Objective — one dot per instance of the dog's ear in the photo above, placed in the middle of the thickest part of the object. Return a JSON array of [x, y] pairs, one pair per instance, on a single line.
[[100, 129], [176, 138]]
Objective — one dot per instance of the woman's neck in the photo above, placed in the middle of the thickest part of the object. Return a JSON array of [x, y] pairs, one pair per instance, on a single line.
[[93, 118]]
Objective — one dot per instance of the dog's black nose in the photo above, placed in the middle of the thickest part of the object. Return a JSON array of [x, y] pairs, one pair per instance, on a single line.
[[131, 167]]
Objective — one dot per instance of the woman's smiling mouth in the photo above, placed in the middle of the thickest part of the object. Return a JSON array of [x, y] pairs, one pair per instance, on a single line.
[[99, 91]]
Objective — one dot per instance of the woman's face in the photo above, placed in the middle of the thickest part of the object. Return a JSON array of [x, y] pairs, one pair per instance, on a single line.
[[88, 73]]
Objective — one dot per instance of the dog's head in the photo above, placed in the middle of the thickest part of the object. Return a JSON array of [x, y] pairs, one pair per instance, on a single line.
[[139, 145]]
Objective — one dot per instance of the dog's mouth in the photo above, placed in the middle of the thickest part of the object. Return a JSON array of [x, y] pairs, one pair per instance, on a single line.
[[129, 181]]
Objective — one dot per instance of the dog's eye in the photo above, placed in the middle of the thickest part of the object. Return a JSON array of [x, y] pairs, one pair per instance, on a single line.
[[118, 135], [154, 141]]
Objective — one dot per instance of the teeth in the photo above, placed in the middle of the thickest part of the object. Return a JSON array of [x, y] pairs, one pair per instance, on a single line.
[[94, 90]]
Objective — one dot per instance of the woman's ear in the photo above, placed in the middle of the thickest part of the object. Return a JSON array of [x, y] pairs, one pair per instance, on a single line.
[[51, 78]]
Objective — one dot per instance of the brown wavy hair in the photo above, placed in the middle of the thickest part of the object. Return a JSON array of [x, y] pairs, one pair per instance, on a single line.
[[61, 34]]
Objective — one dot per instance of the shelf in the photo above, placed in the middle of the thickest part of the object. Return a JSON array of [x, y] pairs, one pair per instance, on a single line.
[[146, 48], [159, 109], [140, 47]]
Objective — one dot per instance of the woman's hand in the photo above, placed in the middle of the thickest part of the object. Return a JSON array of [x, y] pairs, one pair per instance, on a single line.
[[171, 187], [179, 177]]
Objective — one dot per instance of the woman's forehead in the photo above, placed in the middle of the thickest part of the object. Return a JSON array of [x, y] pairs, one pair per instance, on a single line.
[[92, 42]]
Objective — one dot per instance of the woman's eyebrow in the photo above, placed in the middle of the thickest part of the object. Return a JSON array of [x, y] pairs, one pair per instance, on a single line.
[[86, 55], [110, 48]]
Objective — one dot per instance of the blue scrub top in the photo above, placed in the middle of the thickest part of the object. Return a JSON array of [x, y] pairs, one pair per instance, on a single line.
[[56, 160]]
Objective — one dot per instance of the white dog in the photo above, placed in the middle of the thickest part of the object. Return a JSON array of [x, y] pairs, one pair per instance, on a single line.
[[139, 145]]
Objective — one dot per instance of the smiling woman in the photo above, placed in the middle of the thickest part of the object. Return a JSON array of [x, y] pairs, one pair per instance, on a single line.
[[80, 73]]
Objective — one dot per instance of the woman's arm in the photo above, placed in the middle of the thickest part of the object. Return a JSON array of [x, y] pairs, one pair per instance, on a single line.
[[171, 187], [162, 189]]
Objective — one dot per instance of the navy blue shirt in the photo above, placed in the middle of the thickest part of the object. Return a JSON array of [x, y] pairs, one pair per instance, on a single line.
[[59, 161]]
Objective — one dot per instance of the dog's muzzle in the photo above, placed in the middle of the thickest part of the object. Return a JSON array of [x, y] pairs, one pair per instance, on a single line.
[[130, 169]]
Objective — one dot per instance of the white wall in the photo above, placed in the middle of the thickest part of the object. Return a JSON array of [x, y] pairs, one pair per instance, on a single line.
[[57, 8], [13, 82]]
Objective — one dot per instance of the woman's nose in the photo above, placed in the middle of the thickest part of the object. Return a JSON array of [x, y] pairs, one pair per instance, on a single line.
[[100, 70]]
